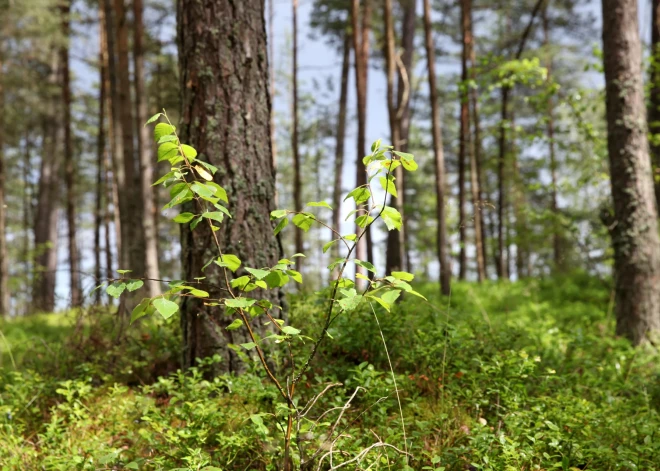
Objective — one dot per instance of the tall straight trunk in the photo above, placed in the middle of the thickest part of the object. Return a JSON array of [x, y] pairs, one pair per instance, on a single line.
[[27, 217], [518, 205], [395, 241], [133, 236], [297, 185], [145, 150], [69, 161], [466, 138], [226, 117], [100, 158], [110, 197], [4, 254], [654, 96], [439, 159], [403, 96], [46, 214], [361, 32], [341, 137], [271, 72], [120, 185], [634, 228], [550, 129]]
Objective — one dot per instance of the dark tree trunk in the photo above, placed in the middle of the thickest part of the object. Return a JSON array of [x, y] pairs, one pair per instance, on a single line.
[[146, 160], [100, 159], [4, 254], [654, 97], [297, 184], [445, 268], [502, 271], [634, 227], [341, 137], [271, 70], [226, 117], [69, 162]]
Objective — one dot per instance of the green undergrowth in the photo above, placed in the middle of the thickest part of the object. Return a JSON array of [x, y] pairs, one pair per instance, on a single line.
[[503, 376]]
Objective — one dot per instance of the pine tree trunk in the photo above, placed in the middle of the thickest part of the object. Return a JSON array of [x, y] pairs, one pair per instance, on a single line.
[[297, 184], [395, 241], [147, 162], [364, 250], [634, 228], [502, 271], [445, 268], [226, 117], [341, 137], [131, 212], [271, 71], [654, 96], [69, 162], [466, 14], [4, 254], [100, 159]]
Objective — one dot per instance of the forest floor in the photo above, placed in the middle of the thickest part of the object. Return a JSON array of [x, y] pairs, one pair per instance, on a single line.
[[502, 376]]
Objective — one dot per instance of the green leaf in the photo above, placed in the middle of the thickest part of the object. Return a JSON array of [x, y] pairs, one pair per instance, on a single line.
[[351, 301], [132, 285], [375, 146], [360, 195], [230, 261], [303, 221], [163, 129], [240, 303], [258, 274], [189, 152], [319, 204], [297, 277], [288, 330], [165, 307], [203, 173], [140, 310], [202, 190], [407, 160], [236, 324], [132, 465], [183, 196], [240, 282], [247, 346], [164, 178], [183, 218], [390, 296], [209, 167], [151, 120], [169, 138], [215, 215], [363, 221], [392, 218], [380, 301], [278, 213], [365, 265], [327, 245], [351, 237], [116, 289], [388, 185], [123, 272], [276, 279], [194, 224], [403, 275], [219, 191], [199, 293], [281, 225]]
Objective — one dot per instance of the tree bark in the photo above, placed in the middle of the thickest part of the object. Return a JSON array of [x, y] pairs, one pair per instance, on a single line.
[[361, 31], [341, 137], [226, 116], [69, 162], [395, 241], [297, 185], [271, 71], [466, 138], [100, 158], [145, 151], [654, 96], [4, 253], [439, 159], [634, 228], [131, 212]]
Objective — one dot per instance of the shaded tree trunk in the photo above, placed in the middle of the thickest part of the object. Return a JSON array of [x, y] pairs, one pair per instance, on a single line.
[[226, 117], [466, 138], [361, 32], [439, 160], [634, 225], [654, 96], [100, 158], [4, 253], [69, 162], [297, 184], [147, 162], [271, 70], [341, 137]]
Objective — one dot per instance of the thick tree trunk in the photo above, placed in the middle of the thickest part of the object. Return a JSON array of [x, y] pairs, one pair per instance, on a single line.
[[69, 162], [147, 162], [395, 241], [297, 184], [634, 229], [654, 97], [466, 138], [131, 212], [445, 268], [341, 137], [100, 159], [364, 250], [226, 117], [271, 71], [4, 254]]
